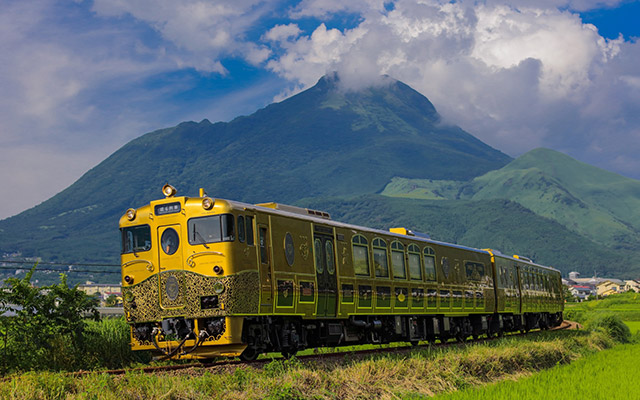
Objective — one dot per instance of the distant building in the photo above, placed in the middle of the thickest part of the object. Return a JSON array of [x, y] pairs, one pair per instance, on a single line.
[[582, 292], [610, 286], [574, 275], [632, 284], [102, 290]]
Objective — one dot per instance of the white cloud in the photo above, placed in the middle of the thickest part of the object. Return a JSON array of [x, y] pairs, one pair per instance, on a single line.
[[517, 78], [202, 32], [282, 32]]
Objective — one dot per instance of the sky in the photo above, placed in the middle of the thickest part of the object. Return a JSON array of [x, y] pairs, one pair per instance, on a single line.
[[79, 79]]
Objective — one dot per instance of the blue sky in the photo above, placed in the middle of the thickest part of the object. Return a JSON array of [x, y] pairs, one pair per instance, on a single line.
[[80, 79]]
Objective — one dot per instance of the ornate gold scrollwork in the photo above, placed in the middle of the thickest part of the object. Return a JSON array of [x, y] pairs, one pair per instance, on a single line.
[[192, 263], [149, 264]]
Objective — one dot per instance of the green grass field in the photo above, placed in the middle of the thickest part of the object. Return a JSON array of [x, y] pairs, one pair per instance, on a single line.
[[634, 326], [610, 374]]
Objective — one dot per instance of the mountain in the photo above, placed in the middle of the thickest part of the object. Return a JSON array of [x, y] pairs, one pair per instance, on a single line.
[[322, 142], [600, 206]]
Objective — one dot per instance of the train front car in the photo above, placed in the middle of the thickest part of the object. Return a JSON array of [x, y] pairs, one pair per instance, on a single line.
[[179, 279]]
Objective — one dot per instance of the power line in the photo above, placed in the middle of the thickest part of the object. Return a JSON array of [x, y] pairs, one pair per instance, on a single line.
[[103, 271], [59, 263], [61, 270]]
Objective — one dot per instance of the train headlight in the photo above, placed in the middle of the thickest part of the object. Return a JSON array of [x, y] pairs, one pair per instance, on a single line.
[[168, 190], [218, 287], [131, 214], [217, 269], [128, 279], [207, 203]]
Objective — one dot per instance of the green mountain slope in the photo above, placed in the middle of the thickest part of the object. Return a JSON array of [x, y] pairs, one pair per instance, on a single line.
[[499, 224], [600, 205], [321, 142]]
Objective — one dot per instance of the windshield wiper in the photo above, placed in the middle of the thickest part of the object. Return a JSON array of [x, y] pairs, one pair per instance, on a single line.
[[195, 232]]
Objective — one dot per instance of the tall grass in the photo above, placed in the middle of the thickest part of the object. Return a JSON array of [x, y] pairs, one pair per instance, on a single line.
[[108, 345]]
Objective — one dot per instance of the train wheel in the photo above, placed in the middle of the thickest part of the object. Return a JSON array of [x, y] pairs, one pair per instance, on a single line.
[[249, 354]]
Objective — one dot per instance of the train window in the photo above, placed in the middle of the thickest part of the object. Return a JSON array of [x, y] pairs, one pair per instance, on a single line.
[[212, 229], [415, 272], [360, 255], [474, 271], [136, 238], [381, 265], [318, 254], [169, 241], [249, 232], [397, 260], [331, 266], [241, 230], [429, 264]]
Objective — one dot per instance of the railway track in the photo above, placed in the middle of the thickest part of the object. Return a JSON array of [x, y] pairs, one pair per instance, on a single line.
[[322, 357]]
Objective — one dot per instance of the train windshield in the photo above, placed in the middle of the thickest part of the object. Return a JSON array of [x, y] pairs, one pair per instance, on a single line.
[[136, 238], [216, 228]]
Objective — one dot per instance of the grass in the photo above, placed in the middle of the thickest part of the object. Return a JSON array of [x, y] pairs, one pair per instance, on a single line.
[[610, 374], [624, 305], [419, 373], [634, 326]]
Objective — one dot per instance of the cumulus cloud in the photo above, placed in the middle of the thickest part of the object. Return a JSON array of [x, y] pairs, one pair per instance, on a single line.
[[516, 77]]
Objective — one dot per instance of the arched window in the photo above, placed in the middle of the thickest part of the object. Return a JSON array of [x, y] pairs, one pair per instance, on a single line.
[[360, 255], [429, 264], [380, 263], [397, 260], [415, 272]]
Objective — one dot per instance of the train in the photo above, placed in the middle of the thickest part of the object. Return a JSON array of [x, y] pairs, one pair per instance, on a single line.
[[204, 277]]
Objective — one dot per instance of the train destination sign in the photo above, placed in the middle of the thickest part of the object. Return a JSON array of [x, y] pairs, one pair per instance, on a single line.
[[170, 208]]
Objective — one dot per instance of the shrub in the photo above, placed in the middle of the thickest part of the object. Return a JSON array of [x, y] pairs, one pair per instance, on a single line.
[[612, 325], [47, 331]]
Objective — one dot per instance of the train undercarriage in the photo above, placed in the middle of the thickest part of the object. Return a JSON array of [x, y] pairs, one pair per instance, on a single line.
[[288, 335]]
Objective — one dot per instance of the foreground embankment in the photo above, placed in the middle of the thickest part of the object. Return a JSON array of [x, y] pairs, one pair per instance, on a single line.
[[423, 372]]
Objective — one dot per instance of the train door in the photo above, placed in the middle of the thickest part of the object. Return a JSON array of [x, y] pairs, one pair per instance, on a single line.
[[324, 254], [170, 276], [264, 260]]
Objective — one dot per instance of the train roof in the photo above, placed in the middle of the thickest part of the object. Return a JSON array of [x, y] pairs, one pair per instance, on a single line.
[[522, 260], [315, 218]]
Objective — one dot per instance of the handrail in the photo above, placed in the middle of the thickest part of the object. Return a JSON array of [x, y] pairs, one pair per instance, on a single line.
[[149, 264], [192, 263]]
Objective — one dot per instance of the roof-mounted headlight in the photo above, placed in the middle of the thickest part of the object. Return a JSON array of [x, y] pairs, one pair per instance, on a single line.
[[168, 190], [131, 214], [207, 203]]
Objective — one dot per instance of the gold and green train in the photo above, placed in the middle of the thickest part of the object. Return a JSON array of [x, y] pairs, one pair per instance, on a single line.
[[206, 277]]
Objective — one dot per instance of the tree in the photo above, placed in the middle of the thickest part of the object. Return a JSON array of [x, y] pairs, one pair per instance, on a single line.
[[48, 326], [568, 296]]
